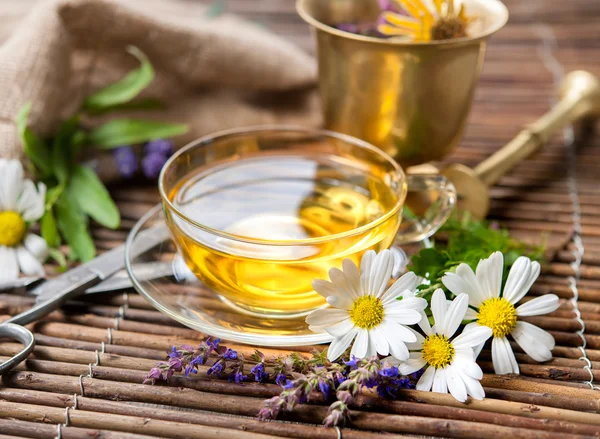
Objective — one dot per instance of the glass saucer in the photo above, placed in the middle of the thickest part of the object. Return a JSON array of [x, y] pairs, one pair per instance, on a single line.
[[180, 295], [176, 292]]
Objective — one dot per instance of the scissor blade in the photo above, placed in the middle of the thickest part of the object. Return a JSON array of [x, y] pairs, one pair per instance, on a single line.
[[143, 272], [22, 282], [93, 272]]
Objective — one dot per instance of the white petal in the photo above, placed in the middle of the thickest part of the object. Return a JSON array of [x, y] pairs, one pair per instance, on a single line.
[[371, 349], [489, 275], [379, 341], [472, 336], [536, 342], [438, 308], [381, 273], [11, 184], [474, 388], [456, 386], [424, 324], [339, 345], [426, 380], [503, 356], [361, 344], [538, 306], [412, 364], [325, 288], [416, 303], [342, 284], [416, 345], [365, 270], [455, 314], [439, 381], [341, 302], [28, 263], [340, 329], [37, 246], [522, 275], [464, 281], [400, 261], [467, 367], [395, 331], [403, 316], [353, 277], [408, 282], [398, 349], [471, 314], [8, 263], [326, 316], [31, 203]]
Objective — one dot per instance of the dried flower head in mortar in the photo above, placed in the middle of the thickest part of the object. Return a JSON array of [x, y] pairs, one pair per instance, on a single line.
[[423, 20]]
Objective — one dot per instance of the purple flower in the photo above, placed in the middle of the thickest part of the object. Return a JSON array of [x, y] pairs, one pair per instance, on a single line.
[[416, 375], [127, 161], [237, 377], [154, 374], [156, 154], [324, 387], [173, 353], [389, 372], [288, 385], [259, 372], [230, 354], [152, 164], [213, 343], [175, 364], [281, 379], [352, 362], [160, 146], [216, 368]]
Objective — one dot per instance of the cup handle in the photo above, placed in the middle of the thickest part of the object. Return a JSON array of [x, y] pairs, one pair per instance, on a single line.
[[438, 212]]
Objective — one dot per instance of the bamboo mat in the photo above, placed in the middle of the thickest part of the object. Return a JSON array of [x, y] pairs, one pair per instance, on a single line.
[[100, 348]]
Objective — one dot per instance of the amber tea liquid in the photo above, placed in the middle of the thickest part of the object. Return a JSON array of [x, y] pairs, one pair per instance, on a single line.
[[268, 200]]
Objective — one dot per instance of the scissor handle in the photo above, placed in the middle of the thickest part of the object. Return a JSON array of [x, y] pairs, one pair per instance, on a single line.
[[21, 334]]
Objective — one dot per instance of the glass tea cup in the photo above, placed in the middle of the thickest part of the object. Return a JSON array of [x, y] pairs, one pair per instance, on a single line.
[[259, 213]]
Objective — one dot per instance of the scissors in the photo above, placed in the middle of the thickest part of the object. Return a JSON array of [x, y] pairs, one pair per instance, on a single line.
[[52, 294]]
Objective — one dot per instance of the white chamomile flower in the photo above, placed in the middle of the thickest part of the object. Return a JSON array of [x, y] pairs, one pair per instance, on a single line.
[[450, 363], [363, 307], [21, 204], [496, 308]]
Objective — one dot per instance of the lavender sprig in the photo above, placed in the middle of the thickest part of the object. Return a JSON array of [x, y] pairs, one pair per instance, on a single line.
[[300, 378]]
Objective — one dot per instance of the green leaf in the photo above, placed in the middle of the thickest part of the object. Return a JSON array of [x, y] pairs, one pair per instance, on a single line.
[[93, 198], [124, 90], [142, 104], [57, 255], [72, 223], [62, 149], [130, 131], [34, 147], [53, 194], [49, 229]]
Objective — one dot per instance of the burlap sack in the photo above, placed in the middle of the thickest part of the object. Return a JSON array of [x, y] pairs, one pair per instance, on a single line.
[[213, 72]]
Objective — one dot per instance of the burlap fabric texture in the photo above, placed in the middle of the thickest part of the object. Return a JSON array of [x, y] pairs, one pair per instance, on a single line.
[[212, 72]]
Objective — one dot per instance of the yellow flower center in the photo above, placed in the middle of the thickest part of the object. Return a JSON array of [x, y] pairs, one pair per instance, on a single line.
[[12, 228], [499, 315], [438, 351], [366, 312]]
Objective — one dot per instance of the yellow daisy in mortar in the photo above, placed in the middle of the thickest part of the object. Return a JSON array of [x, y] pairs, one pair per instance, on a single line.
[[497, 308], [449, 361], [425, 21], [366, 311], [21, 204]]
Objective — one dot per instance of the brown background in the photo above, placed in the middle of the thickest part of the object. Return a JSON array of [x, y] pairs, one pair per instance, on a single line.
[[539, 198]]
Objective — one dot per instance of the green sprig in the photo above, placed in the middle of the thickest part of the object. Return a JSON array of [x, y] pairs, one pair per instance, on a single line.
[[75, 193], [466, 240]]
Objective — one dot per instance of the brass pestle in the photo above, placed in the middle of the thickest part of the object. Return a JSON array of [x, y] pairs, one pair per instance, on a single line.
[[579, 99]]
